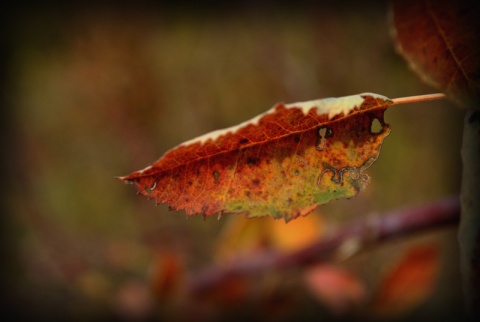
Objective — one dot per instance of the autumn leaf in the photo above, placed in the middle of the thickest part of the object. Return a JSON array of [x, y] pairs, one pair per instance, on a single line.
[[241, 237], [408, 283], [336, 287], [298, 234], [283, 163], [166, 274], [441, 42]]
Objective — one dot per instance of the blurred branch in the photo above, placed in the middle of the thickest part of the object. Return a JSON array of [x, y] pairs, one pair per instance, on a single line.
[[368, 229], [469, 231]]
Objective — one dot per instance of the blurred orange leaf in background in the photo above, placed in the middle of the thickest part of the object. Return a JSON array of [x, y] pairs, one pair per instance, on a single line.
[[166, 274], [242, 236], [408, 283], [336, 287]]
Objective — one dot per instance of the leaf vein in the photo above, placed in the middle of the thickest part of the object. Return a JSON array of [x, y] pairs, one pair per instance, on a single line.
[[444, 37]]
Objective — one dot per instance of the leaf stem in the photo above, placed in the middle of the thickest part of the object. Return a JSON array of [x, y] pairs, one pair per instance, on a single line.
[[418, 98]]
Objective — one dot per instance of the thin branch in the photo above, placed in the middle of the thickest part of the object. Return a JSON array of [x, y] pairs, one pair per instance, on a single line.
[[418, 98], [366, 230]]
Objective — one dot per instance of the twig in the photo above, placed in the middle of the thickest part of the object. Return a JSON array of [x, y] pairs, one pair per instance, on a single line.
[[418, 98], [368, 229]]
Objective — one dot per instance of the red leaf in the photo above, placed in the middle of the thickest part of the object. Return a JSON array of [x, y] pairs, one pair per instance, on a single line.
[[409, 282], [441, 42], [283, 162], [340, 290]]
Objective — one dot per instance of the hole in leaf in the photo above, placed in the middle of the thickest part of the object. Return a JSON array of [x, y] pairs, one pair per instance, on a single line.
[[376, 127], [323, 133]]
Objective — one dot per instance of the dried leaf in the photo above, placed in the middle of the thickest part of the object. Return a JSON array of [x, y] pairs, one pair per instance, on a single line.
[[283, 163], [408, 283], [441, 42]]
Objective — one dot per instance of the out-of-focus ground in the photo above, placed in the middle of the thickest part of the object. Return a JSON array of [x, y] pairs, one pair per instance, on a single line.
[[98, 91]]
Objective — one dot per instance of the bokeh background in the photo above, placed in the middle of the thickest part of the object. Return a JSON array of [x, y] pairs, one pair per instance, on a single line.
[[98, 90]]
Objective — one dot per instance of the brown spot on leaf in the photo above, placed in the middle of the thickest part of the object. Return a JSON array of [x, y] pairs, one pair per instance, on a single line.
[[252, 161], [216, 175]]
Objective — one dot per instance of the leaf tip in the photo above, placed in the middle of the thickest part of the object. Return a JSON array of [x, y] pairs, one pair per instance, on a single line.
[[124, 179]]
